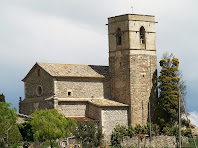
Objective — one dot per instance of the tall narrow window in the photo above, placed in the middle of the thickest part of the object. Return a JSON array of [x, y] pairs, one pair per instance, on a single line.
[[118, 36], [142, 35], [38, 72]]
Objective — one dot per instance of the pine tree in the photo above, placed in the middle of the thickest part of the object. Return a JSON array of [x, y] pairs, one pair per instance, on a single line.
[[168, 85]]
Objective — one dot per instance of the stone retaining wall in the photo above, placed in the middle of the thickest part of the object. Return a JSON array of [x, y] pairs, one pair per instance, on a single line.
[[157, 141]]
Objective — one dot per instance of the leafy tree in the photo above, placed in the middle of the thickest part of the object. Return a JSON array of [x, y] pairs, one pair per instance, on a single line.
[[8, 128], [15, 135], [26, 130], [49, 125], [168, 99], [2, 98], [88, 134], [181, 84]]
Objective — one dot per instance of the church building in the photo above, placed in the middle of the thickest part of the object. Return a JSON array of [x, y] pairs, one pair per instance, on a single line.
[[116, 94]]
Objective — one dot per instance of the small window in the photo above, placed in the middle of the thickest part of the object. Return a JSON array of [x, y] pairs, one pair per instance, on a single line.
[[38, 72], [142, 35], [69, 93], [118, 36], [39, 90]]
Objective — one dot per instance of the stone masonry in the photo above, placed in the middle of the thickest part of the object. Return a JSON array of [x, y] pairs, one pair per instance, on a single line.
[[133, 64], [157, 142], [110, 95]]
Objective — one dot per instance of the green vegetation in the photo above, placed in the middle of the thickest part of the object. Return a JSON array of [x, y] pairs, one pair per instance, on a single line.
[[46, 144], [168, 99], [15, 145], [26, 130], [49, 125], [121, 131], [191, 143], [88, 134], [9, 130]]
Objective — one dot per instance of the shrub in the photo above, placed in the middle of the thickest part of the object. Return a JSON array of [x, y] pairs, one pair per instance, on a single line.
[[187, 133], [118, 133], [88, 134], [131, 131]]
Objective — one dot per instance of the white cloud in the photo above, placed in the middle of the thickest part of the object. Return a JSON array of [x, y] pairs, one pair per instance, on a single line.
[[194, 118], [74, 31]]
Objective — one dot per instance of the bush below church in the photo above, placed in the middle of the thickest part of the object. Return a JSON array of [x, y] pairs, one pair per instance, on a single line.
[[121, 131]]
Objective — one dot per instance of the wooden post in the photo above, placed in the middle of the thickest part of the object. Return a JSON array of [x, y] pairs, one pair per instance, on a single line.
[[179, 124], [150, 138], [187, 118]]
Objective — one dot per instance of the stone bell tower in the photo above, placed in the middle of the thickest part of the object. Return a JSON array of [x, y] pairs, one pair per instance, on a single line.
[[133, 64]]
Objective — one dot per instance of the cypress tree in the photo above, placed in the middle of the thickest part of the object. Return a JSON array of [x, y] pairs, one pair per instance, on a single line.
[[168, 85]]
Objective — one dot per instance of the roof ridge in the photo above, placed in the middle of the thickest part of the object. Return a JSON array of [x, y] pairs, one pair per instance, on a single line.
[[70, 64]]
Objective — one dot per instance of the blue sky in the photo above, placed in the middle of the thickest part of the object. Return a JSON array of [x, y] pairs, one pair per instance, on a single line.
[[74, 32]]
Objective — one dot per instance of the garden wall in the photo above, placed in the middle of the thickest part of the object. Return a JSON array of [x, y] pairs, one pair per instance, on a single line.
[[157, 141]]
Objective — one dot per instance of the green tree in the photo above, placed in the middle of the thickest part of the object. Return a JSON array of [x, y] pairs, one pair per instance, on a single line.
[[49, 125], [2, 98], [168, 99], [88, 134], [8, 129], [181, 84], [26, 130], [15, 135]]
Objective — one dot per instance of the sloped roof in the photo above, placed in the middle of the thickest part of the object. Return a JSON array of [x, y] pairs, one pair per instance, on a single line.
[[102, 102], [106, 102], [82, 119], [74, 70]]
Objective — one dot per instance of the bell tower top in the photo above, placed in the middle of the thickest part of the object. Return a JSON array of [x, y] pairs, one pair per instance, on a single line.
[[134, 33]]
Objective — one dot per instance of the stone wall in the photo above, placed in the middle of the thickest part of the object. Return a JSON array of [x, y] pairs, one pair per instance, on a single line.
[[112, 116], [82, 88], [143, 83], [94, 112], [72, 109], [33, 81], [120, 81], [28, 106], [157, 141]]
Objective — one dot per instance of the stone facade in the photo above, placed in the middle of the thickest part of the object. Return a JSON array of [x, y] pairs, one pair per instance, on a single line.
[[111, 117], [133, 64], [114, 94], [82, 88], [157, 141]]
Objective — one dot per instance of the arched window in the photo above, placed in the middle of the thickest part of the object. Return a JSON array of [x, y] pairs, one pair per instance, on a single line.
[[118, 36], [142, 35]]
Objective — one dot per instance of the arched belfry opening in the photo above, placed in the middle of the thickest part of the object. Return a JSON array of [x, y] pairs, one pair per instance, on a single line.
[[118, 37], [142, 35]]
